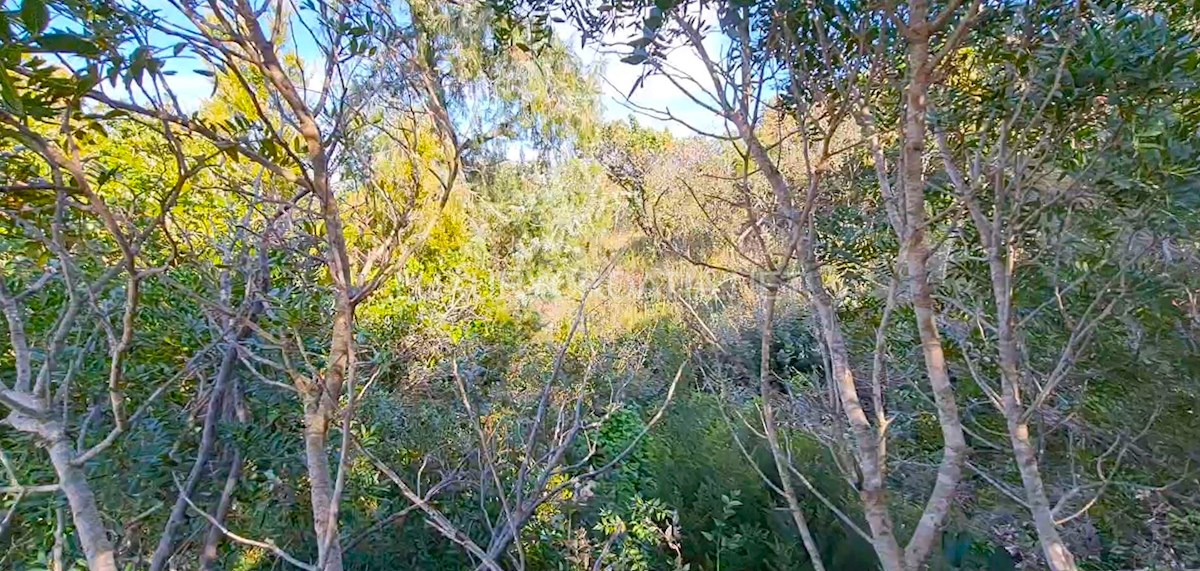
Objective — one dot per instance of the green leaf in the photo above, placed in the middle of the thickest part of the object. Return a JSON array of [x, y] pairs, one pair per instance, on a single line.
[[642, 41], [69, 43], [137, 68], [9, 93], [5, 32], [35, 15]]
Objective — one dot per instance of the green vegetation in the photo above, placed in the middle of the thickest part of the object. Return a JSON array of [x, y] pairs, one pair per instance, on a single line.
[[386, 291]]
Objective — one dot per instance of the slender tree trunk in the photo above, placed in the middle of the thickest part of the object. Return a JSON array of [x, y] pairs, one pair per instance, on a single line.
[[320, 410], [916, 253], [209, 553], [56, 554], [93, 537], [769, 394], [316, 454], [872, 489], [208, 436], [320, 400], [1058, 556]]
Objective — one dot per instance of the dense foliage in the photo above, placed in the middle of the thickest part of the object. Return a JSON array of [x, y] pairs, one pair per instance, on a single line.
[[372, 285]]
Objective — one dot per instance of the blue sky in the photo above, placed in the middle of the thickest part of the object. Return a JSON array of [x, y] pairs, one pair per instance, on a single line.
[[656, 92], [617, 80]]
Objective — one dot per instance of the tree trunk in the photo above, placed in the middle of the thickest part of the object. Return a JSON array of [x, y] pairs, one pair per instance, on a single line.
[[208, 436], [1058, 556], [872, 489], [769, 394], [319, 412], [93, 537], [916, 253], [320, 401], [57, 558], [209, 553], [316, 431]]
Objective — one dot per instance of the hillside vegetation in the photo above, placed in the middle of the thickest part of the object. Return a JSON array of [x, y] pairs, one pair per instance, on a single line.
[[347, 285]]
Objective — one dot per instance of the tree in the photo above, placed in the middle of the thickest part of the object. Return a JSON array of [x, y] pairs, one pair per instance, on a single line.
[[1034, 204], [393, 267], [97, 245], [731, 88]]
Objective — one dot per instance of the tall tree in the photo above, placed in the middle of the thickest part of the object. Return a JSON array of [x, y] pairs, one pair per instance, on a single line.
[[732, 86]]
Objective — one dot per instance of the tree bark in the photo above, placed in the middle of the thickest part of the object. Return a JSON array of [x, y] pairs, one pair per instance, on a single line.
[[93, 537], [872, 489], [916, 254], [57, 560], [320, 408], [209, 553], [316, 431], [322, 398], [208, 436], [1058, 556], [769, 394]]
